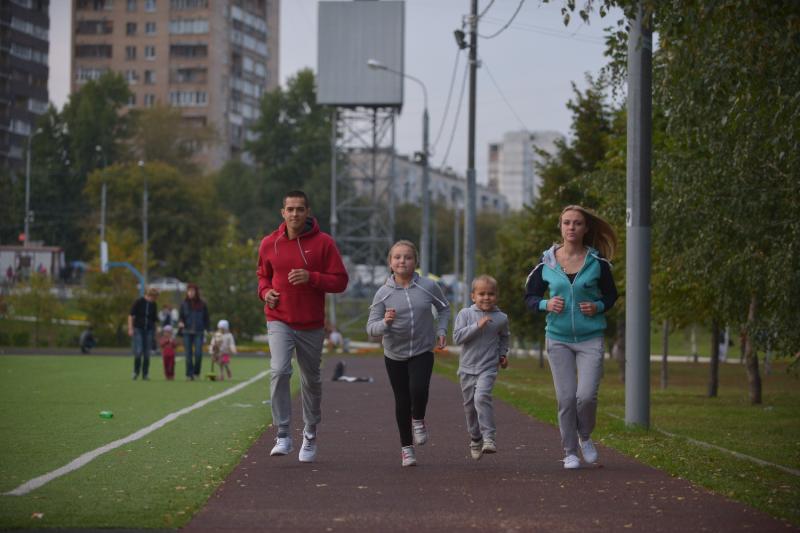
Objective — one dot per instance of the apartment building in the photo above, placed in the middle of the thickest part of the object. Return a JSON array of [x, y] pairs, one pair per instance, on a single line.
[[512, 165], [213, 59], [24, 44]]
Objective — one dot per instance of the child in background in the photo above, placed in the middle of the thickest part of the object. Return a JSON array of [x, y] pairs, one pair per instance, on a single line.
[[222, 347], [482, 331], [168, 345]]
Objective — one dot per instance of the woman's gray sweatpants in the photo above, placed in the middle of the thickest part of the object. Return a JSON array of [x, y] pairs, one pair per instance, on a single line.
[[283, 341], [477, 392], [577, 368]]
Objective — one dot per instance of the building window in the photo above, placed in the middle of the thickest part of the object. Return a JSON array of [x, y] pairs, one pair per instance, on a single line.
[[150, 5], [131, 5], [188, 98], [149, 100], [132, 100], [20, 127], [37, 106], [188, 26], [132, 77], [188, 50], [130, 28], [150, 28], [94, 27], [97, 5], [149, 52], [188, 4], [92, 50], [149, 77], [188, 75], [84, 74], [130, 53]]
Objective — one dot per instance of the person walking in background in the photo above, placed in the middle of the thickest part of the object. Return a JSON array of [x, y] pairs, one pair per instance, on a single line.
[[193, 322], [142, 321], [168, 346], [577, 273], [222, 347], [297, 265], [482, 330], [87, 340], [402, 313]]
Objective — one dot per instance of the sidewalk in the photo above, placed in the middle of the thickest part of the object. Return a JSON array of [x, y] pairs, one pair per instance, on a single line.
[[357, 483]]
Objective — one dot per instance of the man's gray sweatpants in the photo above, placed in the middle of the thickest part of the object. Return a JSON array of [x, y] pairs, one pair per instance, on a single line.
[[577, 368], [283, 341], [477, 392]]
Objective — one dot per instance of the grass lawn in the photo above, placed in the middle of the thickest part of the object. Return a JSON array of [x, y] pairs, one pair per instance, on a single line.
[[49, 415], [770, 432]]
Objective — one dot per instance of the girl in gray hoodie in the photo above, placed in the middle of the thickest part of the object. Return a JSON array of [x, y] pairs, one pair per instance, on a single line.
[[402, 314]]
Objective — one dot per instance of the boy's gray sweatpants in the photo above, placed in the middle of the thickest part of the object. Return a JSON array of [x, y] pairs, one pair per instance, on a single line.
[[477, 392], [577, 368], [283, 341]]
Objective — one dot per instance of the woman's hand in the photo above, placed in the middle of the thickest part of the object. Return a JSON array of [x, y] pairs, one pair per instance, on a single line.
[[555, 304], [441, 342], [588, 308], [389, 316]]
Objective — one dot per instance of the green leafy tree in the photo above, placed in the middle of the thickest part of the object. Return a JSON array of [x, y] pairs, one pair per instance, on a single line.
[[238, 189], [106, 300], [230, 285], [36, 300]]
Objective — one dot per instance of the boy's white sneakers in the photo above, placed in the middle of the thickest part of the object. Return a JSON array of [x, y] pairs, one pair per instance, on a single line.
[[476, 449], [571, 462], [408, 456], [283, 446], [308, 451], [588, 451], [420, 431], [489, 446]]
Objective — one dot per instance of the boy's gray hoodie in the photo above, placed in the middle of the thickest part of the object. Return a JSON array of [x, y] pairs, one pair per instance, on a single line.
[[412, 331], [482, 348]]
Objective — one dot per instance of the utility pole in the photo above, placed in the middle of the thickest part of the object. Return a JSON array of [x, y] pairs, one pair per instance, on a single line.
[[425, 237], [334, 215], [469, 210], [144, 222], [637, 249]]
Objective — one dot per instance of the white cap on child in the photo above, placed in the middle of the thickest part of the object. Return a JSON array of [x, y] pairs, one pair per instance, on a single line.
[[223, 324], [167, 328]]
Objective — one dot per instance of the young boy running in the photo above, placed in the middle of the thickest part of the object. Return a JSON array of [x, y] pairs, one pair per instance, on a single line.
[[482, 331]]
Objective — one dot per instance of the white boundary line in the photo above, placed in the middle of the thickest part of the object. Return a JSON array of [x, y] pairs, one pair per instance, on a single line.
[[701, 443], [87, 457], [756, 460]]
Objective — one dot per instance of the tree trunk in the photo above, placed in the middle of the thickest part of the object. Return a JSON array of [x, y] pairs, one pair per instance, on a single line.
[[618, 352], [665, 352], [751, 358], [694, 343], [713, 378]]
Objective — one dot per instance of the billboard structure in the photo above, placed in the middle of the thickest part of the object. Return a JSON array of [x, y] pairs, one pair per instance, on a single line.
[[363, 107]]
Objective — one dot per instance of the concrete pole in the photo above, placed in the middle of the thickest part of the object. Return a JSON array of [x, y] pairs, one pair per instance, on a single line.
[[637, 252], [26, 222], [144, 223], [425, 237], [470, 208], [334, 214]]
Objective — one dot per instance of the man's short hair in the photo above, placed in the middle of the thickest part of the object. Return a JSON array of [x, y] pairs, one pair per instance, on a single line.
[[296, 194]]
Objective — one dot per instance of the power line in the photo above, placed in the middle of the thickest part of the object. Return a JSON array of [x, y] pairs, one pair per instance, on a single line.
[[503, 96], [549, 32], [447, 105], [507, 24], [458, 113], [485, 9]]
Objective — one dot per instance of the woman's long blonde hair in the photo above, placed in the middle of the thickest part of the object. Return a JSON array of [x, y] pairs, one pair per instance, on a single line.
[[600, 234]]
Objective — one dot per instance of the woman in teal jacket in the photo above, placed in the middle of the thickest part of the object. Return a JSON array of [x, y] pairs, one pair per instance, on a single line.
[[577, 274]]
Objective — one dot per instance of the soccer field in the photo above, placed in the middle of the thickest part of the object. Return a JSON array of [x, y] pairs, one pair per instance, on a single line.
[[49, 416]]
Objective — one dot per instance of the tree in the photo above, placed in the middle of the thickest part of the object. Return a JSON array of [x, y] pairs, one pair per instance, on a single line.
[[37, 301], [107, 300], [239, 191]]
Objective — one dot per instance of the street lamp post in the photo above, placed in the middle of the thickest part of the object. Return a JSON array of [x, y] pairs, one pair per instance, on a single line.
[[144, 223], [28, 214], [424, 243]]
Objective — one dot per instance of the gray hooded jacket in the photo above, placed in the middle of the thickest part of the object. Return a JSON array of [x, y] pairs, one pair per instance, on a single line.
[[482, 348], [413, 330]]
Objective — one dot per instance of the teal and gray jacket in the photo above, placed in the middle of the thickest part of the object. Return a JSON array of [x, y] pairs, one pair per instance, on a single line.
[[415, 328], [592, 283]]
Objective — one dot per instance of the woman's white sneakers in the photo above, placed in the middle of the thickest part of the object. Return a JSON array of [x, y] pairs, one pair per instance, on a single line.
[[571, 462], [420, 432], [283, 446], [408, 456], [588, 451], [308, 451]]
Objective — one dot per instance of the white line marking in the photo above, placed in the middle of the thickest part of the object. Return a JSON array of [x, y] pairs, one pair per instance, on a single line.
[[756, 460], [87, 457]]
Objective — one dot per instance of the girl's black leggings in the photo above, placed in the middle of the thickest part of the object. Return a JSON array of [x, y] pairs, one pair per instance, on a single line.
[[410, 381]]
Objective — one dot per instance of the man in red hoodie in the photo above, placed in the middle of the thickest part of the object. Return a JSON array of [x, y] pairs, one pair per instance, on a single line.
[[297, 265]]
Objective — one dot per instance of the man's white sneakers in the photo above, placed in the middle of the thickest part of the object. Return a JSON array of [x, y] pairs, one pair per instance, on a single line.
[[283, 446], [308, 451]]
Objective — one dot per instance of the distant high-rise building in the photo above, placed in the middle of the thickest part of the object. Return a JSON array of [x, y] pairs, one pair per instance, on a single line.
[[213, 59], [24, 43], [512, 165]]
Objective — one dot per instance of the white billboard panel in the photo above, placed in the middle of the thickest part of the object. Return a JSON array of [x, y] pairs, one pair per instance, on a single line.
[[350, 34]]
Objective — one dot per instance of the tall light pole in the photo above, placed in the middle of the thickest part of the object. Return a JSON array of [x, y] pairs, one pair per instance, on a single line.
[[472, 192], [144, 222], [424, 240], [100, 150], [28, 214]]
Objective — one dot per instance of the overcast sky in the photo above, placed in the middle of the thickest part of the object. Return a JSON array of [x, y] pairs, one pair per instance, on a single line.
[[524, 81]]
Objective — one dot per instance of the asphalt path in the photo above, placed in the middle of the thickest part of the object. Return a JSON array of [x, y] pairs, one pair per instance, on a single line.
[[357, 483]]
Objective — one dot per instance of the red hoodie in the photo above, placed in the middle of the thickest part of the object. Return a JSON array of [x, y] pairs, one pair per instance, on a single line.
[[300, 306]]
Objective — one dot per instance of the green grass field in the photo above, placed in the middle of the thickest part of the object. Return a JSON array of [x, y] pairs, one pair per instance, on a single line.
[[770, 432], [49, 415]]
